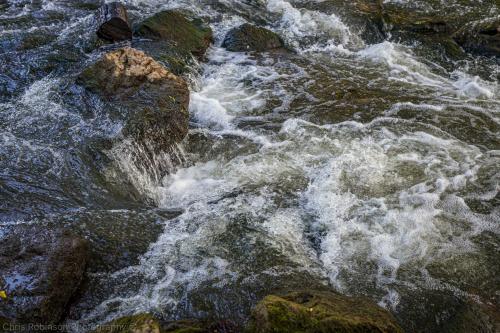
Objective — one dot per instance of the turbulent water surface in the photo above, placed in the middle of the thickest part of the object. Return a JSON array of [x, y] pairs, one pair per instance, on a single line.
[[364, 162]]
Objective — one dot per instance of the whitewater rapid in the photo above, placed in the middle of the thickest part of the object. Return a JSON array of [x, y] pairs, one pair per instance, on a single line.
[[350, 164]]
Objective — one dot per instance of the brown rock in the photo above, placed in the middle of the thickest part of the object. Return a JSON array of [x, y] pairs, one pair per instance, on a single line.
[[156, 101], [482, 37], [320, 312], [40, 271], [113, 22]]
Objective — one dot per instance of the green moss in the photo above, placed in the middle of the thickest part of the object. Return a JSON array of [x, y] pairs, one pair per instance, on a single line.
[[319, 312], [187, 35], [176, 65]]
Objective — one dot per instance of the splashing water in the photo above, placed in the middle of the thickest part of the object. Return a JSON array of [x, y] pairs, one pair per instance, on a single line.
[[368, 168]]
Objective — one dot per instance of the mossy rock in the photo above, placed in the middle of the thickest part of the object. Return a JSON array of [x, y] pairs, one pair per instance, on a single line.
[[319, 312], [248, 37], [186, 35], [140, 323]]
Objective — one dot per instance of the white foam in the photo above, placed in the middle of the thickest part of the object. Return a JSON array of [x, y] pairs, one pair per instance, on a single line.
[[403, 66], [473, 87], [299, 24], [377, 197], [225, 93]]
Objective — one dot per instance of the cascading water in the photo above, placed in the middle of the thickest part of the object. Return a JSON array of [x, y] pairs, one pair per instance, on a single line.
[[369, 167]]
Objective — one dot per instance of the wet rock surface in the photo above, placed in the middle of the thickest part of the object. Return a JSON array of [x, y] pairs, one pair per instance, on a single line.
[[366, 157], [473, 317], [482, 37], [41, 272], [186, 35], [113, 22], [157, 99], [311, 311], [248, 37], [459, 22]]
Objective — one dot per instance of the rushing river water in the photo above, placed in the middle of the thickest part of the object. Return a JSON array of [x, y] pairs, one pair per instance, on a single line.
[[365, 162]]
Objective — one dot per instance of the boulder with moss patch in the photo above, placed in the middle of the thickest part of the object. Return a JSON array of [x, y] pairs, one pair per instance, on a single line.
[[248, 37], [184, 34], [154, 100], [320, 312]]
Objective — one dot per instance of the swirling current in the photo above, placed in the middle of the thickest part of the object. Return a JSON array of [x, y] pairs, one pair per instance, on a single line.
[[367, 162]]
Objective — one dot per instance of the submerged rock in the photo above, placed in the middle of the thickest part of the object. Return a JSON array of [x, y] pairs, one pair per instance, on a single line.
[[187, 36], [481, 37], [320, 312], [41, 271], [156, 100], [113, 22], [248, 37]]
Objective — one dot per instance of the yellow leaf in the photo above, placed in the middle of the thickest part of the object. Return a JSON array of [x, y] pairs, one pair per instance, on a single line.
[[3, 294]]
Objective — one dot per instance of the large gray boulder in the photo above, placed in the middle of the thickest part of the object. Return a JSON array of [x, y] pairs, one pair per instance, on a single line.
[[41, 270], [155, 100]]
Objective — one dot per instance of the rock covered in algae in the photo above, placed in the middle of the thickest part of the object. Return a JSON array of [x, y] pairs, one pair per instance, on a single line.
[[323, 312], [185, 35]]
